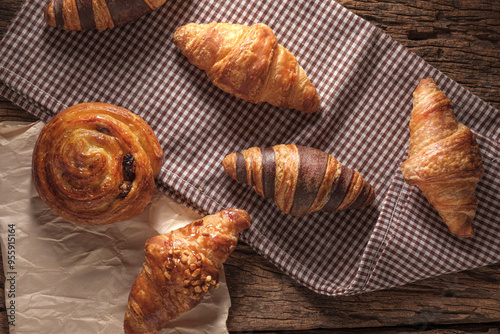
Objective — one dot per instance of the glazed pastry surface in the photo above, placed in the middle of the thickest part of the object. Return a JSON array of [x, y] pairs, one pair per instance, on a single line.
[[300, 180], [95, 163], [249, 63], [444, 159], [180, 268]]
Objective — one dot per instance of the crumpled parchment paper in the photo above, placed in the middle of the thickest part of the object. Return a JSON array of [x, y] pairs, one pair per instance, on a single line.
[[63, 277]]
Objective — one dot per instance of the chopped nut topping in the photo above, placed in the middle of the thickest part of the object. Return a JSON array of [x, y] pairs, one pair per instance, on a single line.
[[196, 272]]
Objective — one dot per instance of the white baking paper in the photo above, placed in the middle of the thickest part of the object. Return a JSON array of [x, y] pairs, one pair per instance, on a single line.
[[63, 277]]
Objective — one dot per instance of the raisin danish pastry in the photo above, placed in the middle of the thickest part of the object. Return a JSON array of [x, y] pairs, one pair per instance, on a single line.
[[180, 268], [300, 179], [95, 163]]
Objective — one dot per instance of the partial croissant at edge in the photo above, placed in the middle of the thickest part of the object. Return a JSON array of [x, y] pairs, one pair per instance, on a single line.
[[299, 179], [444, 159], [180, 268], [77, 15], [249, 63]]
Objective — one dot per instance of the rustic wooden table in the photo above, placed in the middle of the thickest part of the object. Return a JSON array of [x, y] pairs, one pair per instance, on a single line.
[[462, 39]]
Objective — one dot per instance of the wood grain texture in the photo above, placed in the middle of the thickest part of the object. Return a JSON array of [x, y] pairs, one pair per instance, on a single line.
[[461, 38], [264, 299], [10, 112]]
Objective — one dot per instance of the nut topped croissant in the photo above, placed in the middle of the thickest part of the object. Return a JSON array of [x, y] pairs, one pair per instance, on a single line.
[[444, 159], [180, 268], [95, 163], [249, 63]]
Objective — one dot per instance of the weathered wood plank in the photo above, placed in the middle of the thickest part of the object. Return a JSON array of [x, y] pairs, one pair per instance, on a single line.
[[10, 112], [264, 299], [453, 329], [462, 39]]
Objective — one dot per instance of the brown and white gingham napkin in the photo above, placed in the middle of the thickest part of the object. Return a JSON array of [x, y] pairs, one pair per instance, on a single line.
[[365, 80]]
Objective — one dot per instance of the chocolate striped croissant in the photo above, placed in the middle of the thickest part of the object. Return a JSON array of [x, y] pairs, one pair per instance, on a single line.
[[95, 163], [300, 179], [444, 159], [96, 14], [180, 268], [249, 63]]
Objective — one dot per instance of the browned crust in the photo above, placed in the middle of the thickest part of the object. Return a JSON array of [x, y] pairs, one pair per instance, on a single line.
[[456, 156], [304, 179], [153, 4], [287, 167], [244, 70], [70, 16], [78, 163], [354, 191], [249, 63], [180, 268], [102, 17], [370, 198], [49, 15], [229, 164], [444, 159], [253, 162], [332, 172]]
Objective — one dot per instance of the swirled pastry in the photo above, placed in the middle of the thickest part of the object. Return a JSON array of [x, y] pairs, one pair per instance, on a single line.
[[95, 163]]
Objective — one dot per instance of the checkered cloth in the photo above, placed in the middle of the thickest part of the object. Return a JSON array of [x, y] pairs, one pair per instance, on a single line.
[[365, 80]]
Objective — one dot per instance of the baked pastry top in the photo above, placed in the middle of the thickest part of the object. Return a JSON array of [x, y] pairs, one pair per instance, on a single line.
[[180, 267], [95, 163]]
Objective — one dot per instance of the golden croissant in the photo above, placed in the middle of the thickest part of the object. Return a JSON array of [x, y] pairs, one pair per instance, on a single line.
[[300, 179], [96, 14], [180, 268], [95, 163], [249, 63], [444, 159]]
